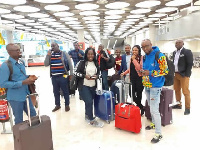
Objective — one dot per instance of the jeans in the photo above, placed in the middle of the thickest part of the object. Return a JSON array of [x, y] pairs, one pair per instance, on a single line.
[[18, 107], [153, 99], [59, 82], [105, 80], [88, 93]]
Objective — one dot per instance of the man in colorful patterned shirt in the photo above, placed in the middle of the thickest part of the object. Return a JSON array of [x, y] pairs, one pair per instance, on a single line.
[[153, 79], [60, 65]]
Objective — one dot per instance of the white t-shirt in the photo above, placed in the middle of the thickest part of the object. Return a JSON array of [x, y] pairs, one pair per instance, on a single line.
[[90, 70]]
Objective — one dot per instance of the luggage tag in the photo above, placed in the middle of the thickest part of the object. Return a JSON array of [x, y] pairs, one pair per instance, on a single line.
[[124, 105], [65, 76]]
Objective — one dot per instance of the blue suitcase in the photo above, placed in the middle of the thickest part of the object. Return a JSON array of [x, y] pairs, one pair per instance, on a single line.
[[104, 105]]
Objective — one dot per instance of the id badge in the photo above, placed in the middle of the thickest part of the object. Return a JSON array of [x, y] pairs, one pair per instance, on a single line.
[[65, 76]]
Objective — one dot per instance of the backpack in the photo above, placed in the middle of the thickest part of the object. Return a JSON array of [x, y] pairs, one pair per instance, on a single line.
[[169, 78], [111, 62]]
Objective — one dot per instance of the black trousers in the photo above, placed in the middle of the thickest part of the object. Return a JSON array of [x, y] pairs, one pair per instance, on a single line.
[[137, 89]]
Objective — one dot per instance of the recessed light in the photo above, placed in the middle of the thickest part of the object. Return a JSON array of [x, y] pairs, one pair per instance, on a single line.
[[38, 15], [33, 24], [135, 16], [69, 19], [48, 1], [5, 21], [148, 4], [24, 20], [56, 7], [113, 17], [117, 5], [13, 2], [87, 6], [140, 11], [91, 18], [178, 2], [72, 22], [63, 14], [46, 19], [12, 16], [114, 12], [157, 15], [4, 11], [89, 13], [26, 8], [167, 9]]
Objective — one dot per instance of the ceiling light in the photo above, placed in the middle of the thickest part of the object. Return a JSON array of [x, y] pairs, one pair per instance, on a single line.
[[140, 11], [83, 0], [135, 16], [69, 31], [72, 22], [46, 19], [48, 1], [53, 23], [114, 12], [31, 29], [164, 21], [33, 24], [56, 7], [24, 20], [75, 25], [117, 5], [157, 15], [77, 28], [168, 18], [87, 6], [59, 26], [89, 13], [69, 19], [113, 17], [5, 21], [14, 25], [178, 2], [26, 8], [131, 20], [151, 19], [48, 29], [111, 21], [12, 16], [40, 27], [62, 28], [23, 27], [92, 22], [91, 18], [38, 15], [191, 8], [148, 4], [166, 9], [63, 14], [13, 2], [4, 11]]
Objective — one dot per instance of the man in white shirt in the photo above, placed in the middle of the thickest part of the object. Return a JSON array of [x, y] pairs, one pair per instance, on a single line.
[[183, 62]]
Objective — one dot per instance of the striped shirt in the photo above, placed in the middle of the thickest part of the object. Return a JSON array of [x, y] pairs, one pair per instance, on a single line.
[[57, 67]]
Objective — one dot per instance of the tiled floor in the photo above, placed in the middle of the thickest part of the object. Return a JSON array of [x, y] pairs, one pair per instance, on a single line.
[[70, 131]]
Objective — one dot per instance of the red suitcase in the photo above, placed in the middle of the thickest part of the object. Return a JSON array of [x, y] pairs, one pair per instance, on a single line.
[[35, 134], [127, 117], [4, 114]]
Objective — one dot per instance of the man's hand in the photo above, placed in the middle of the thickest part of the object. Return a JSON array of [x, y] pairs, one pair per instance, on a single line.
[[49, 53], [28, 81], [70, 77], [145, 72], [94, 77], [80, 55]]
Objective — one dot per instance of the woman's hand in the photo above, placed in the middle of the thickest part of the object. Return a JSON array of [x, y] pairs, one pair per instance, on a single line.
[[122, 74], [133, 57]]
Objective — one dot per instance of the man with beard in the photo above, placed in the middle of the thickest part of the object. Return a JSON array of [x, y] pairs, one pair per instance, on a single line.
[[17, 87]]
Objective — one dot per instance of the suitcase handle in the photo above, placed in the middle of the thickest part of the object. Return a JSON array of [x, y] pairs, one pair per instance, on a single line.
[[28, 108]]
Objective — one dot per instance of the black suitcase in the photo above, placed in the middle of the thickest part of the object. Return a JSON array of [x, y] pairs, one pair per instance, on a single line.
[[34, 134], [165, 108]]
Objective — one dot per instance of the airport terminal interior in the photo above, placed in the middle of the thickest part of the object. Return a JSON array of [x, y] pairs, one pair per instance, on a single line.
[[35, 24]]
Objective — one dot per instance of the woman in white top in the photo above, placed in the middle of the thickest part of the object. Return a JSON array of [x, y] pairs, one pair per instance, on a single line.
[[87, 72]]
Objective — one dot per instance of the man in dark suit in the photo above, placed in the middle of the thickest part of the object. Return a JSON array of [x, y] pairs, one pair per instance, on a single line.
[[125, 65], [183, 62]]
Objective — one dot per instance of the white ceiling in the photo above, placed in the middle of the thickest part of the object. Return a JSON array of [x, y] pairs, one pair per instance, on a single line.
[[98, 18]]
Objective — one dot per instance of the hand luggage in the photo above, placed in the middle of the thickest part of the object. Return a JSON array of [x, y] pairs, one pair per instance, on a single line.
[[118, 90], [165, 108], [4, 112], [127, 117], [34, 134], [104, 106]]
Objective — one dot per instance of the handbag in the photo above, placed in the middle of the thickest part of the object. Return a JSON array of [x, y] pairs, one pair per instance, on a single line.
[[73, 83]]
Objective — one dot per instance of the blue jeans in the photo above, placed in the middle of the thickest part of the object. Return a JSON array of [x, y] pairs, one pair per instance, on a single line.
[[18, 107], [105, 80], [153, 98], [59, 82], [88, 93]]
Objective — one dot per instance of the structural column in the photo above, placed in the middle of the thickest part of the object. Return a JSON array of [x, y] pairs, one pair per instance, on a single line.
[[9, 35], [80, 35], [152, 34]]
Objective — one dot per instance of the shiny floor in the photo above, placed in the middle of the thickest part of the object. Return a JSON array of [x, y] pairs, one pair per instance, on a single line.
[[70, 131]]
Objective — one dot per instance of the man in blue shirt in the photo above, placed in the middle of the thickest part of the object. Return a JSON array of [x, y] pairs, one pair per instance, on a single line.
[[17, 88], [76, 54]]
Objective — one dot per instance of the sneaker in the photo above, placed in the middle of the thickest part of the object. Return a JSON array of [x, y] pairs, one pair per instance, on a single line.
[[151, 126], [56, 108], [87, 119], [156, 138], [96, 123], [177, 106], [187, 111]]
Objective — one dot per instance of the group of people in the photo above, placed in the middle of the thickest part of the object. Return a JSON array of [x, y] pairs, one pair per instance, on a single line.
[[142, 71]]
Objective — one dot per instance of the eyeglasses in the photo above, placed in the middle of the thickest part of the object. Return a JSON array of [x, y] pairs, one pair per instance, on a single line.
[[144, 47]]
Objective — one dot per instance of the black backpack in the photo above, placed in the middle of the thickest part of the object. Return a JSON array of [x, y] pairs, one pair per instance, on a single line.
[[169, 78]]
